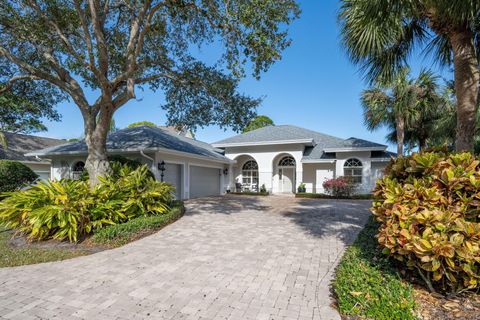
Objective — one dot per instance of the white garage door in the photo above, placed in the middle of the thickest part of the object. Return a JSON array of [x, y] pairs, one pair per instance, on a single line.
[[204, 182], [173, 175]]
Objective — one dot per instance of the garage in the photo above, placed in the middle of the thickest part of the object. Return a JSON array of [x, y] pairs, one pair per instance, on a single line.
[[204, 181], [173, 175]]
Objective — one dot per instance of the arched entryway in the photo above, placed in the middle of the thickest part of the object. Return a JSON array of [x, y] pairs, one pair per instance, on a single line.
[[246, 174], [286, 171]]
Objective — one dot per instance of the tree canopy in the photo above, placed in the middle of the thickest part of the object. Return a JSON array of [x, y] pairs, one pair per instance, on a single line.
[[380, 36], [258, 122], [141, 123], [113, 47]]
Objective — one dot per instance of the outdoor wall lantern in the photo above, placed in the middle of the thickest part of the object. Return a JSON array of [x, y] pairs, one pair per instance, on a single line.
[[225, 171], [161, 167]]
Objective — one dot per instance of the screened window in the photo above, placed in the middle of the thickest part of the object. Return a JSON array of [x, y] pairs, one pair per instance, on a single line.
[[250, 174], [287, 162], [353, 168]]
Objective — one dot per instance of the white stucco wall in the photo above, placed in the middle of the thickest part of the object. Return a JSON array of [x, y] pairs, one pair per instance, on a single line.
[[314, 174], [61, 167]]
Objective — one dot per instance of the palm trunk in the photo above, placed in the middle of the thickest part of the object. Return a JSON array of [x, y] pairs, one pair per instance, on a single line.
[[400, 126], [96, 138], [466, 87]]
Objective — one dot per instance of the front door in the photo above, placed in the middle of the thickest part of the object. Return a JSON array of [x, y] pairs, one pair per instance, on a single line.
[[286, 179]]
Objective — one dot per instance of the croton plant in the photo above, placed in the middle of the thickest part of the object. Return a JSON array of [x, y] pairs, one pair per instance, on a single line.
[[428, 206]]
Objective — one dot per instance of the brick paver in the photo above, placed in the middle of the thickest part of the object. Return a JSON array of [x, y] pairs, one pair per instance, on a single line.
[[228, 258]]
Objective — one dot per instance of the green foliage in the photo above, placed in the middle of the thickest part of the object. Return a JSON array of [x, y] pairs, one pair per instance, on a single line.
[[428, 205], [69, 209], [117, 163], [365, 196], [11, 256], [120, 234], [367, 284], [141, 123], [302, 187], [263, 189], [15, 175], [257, 123]]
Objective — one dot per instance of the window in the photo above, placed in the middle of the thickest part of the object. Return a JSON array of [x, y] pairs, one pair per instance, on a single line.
[[353, 168], [77, 170], [287, 162], [250, 174]]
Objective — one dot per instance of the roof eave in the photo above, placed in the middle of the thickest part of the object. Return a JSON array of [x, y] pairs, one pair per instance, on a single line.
[[319, 161], [382, 148], [131, 150], [307, 142]]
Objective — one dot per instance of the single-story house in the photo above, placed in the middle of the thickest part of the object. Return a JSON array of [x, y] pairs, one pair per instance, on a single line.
[[279, 157], [17, 145], [282, 157]]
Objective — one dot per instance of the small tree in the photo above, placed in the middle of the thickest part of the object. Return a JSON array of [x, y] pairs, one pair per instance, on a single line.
[[258, 122], [112, 47]]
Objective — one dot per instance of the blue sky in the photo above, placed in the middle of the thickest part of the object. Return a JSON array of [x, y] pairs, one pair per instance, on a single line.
[[313, 86]]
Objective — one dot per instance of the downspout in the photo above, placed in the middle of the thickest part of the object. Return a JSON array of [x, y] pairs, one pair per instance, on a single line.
[[152, 167]]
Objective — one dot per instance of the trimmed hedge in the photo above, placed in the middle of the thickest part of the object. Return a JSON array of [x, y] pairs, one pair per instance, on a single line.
[[120, 234], [366, 196], [428, 206], [15, 175], [251, 193]]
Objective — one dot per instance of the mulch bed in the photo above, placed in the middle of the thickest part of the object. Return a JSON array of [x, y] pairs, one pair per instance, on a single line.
[[465, 306]]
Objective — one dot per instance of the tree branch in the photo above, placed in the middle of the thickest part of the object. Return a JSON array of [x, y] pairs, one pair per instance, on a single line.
[[12, 80]]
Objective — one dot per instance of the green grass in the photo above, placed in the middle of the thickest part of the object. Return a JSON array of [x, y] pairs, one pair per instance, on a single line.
[[366, 196], [368, 285], [13, 256], [120, 234]]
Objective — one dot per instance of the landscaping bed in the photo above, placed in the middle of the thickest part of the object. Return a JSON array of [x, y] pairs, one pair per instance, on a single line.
[[250, 193], [369, 285], [16, 250], [327, 196]]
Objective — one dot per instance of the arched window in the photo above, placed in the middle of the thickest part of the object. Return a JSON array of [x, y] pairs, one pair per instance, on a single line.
[[353, 168], [77, 170], [250, 175], [287, 161]]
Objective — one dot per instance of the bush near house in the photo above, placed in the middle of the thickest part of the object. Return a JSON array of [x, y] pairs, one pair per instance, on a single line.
[[428, 206], [68, 209], [365, 196], [339, 187], [15, 175]]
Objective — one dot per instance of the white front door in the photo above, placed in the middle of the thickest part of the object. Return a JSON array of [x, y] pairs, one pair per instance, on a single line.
[[286, 179]]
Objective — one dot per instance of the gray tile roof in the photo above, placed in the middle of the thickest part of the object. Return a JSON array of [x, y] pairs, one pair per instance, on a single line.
[[20, 144], [141, 138], [289, 132]]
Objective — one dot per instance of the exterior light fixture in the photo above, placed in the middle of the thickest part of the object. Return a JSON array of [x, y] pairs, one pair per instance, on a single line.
[[161, 168]]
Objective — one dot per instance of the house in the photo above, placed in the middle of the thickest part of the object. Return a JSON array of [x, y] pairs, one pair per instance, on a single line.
[[17, 145], [195, 168], [279, 157], [282, 157]]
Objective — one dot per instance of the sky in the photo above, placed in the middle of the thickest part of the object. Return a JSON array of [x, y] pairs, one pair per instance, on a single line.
[[314, 86]]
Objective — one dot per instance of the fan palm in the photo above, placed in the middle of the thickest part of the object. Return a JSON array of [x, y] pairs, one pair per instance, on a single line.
[[379, 35], [405, 106]]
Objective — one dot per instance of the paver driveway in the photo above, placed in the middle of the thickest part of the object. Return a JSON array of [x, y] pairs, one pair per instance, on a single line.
[[228, 258]]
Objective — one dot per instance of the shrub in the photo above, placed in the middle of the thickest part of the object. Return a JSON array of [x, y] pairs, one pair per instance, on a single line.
[[428, 205], [263, 189], [15, 175], [302, 188], [339, 187], [70, 209], [117, 162]]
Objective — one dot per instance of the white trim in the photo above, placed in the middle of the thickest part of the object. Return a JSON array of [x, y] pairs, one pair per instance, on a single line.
[[263, 143], [134, 150], [355, 149], [320, 161], [196, 164], [34, 162], [380, 159]]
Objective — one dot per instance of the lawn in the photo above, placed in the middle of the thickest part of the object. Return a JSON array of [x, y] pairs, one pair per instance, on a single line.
[[108, 237], [11, 256], [368, 285]]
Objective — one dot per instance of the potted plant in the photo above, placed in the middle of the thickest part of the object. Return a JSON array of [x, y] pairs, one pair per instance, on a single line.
[[302, 188]]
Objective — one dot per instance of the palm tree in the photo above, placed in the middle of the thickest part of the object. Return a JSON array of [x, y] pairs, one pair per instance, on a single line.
[[380, 35], [406, 106]]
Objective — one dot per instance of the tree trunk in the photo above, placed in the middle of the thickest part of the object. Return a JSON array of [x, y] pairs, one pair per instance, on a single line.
[[466, 87], [96, 138], [400, 124], [422, 143]]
